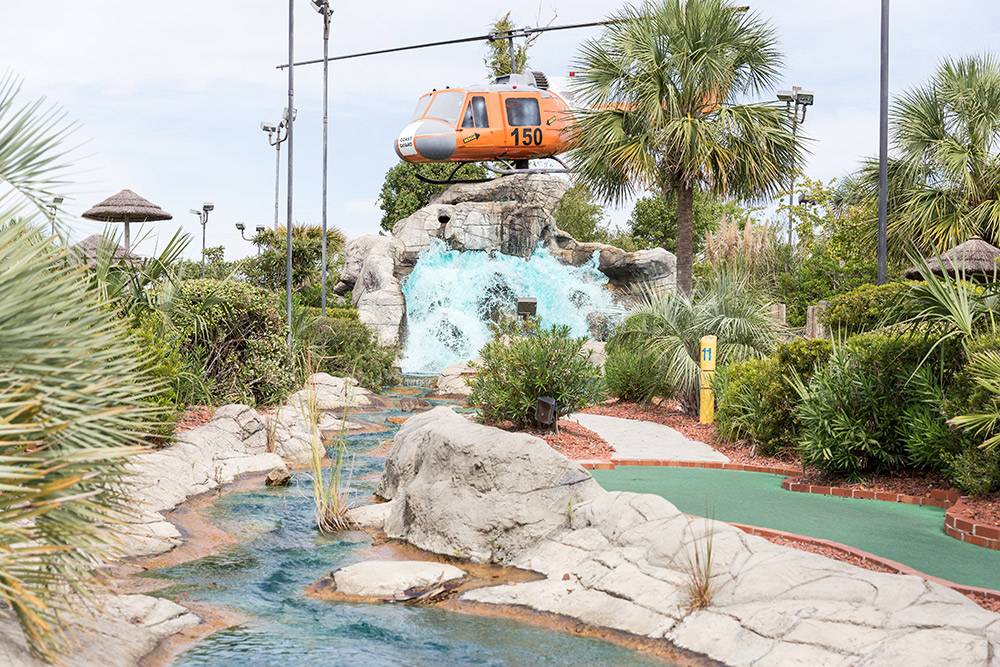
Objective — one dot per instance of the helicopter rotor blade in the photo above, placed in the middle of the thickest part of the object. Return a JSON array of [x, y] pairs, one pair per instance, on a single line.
[[490, 37]]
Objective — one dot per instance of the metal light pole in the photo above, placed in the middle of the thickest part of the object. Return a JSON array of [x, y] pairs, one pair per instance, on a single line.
[[203, 219], [275, 138], [290, 117], [323, 7], [797, 97], [53, 207], [883, 144]]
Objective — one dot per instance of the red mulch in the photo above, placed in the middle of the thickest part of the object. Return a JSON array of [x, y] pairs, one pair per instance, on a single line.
[[982, 510], [572, 441], [830, 552], [193, 417]]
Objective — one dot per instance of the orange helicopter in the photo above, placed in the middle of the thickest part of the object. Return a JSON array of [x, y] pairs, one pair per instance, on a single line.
[[514, 119], [511, 120]]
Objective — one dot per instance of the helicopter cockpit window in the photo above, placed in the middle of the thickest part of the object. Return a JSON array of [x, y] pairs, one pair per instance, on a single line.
[[447, 106], [422, 105], [475, 114], [522, 111]]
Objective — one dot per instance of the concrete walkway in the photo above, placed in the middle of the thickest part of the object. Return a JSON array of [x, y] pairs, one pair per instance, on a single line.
[[646, 440]]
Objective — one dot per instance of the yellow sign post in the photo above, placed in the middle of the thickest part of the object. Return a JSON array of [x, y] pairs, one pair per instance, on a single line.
[[707, 361]]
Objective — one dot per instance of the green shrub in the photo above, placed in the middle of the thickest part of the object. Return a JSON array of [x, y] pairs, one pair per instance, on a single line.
[[757, 398], [817, 277], [163, 364], [634, 374], [867, 308], [347, 347], [974, 471], [516, 371], [854, 411], [235, 332]]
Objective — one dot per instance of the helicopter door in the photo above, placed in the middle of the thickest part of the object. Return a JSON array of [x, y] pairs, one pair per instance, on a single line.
[[524, 123], [476, 133]]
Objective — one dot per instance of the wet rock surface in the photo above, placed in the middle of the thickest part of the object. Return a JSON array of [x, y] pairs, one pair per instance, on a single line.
[[624, 561], [394, 580], [509, 215]]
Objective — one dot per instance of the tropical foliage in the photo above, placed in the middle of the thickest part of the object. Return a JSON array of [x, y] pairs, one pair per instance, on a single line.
[[671, 325], [72, 408], [664, 89], [944, 172]]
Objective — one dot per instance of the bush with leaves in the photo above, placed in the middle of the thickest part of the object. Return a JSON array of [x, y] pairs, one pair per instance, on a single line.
[[235, 331], [671, 324], [632, 373], [817, 277], [867, 308], [757, 399], [517, 370], [266, 269], [853, 410], [345, 347]]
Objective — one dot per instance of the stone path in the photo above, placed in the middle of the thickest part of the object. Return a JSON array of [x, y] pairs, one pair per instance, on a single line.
[[646, 440]]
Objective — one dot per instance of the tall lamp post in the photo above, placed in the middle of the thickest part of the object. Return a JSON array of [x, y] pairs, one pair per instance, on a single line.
[[793, 99], [276, 134], [53, 207], [203, 219], [323, 7], [290, 118], [241, 226]]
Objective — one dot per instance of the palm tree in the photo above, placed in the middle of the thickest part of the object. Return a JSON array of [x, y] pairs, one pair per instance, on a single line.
[[71, 389], [944, 175], [662, 89], [670, 324]]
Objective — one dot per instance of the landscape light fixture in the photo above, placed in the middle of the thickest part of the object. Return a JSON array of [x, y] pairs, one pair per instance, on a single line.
[[323, 7], [240, 226], [203, 219], [275, 137], [793, 99], [53, 207]]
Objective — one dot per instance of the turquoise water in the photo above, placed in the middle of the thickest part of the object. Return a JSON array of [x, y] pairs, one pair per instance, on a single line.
[[452, 296], [280, 553]]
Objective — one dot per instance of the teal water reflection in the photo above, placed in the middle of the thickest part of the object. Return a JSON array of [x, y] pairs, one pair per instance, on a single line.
[[280, 553]]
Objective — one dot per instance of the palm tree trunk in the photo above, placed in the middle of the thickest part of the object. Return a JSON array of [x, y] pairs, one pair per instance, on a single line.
[[685, 236]]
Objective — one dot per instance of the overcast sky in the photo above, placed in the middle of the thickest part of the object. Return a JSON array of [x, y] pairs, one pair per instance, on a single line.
[[170, 95]]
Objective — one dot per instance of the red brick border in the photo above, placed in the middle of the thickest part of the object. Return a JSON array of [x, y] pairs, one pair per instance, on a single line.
[[955, 526]]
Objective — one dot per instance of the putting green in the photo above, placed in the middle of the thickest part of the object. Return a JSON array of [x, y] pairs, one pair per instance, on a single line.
[[909, 534]]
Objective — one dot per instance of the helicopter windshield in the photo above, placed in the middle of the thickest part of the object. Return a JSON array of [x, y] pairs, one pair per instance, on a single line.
[[422, 105], [446, 106]]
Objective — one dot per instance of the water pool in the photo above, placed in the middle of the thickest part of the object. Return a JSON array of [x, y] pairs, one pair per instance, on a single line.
[[279, 553]]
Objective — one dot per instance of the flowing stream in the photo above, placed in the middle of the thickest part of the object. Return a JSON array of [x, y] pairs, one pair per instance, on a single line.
[[279, 553], [452, 296]]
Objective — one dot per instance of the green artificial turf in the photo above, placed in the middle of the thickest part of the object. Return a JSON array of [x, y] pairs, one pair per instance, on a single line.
[[909, 534]]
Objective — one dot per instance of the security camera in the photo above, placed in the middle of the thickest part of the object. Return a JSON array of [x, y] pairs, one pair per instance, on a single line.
[[196, 211], [208, 206], [269, 127], [240, 226]]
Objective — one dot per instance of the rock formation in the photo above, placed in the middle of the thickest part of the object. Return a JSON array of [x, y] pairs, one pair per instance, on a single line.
[[510, 215], [624, 561]]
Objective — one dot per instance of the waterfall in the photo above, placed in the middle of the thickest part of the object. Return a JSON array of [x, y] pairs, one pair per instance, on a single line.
[[452, 296]]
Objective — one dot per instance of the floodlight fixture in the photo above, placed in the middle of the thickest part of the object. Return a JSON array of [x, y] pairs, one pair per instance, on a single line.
[[786, 96], [57, 200], [793, 99], [269, 127], [196, 212], [260, 228], [804, 97], [208, 206], [240, 226]]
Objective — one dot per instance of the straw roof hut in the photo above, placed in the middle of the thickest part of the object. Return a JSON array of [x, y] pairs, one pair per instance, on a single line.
[[88, 249], [975, 258], [126, 207]]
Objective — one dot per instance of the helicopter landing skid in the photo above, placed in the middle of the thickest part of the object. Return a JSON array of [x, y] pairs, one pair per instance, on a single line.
[[521, 167], [451, 178]]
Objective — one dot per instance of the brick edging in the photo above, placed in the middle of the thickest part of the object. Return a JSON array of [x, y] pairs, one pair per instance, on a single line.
[[955, 526], [899, 568]]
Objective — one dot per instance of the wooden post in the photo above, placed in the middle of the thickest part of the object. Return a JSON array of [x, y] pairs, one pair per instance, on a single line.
[[707, 361], [778, 314]]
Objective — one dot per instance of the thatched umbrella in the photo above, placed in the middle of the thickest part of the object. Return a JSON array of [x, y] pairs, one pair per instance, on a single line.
[[127, 206], [88, 250], [974, 259]]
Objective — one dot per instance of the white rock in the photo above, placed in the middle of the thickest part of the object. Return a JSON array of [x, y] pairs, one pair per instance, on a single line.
[[389, 579]]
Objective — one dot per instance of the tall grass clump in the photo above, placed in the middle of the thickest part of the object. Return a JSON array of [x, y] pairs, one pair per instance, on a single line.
[[330, 487]]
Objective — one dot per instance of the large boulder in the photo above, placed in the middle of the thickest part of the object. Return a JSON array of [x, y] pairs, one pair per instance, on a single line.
[[510, 215], [631, 561], [460, 487]]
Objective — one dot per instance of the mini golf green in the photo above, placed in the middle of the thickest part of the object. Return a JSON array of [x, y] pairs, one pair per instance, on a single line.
[[910, 534]]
